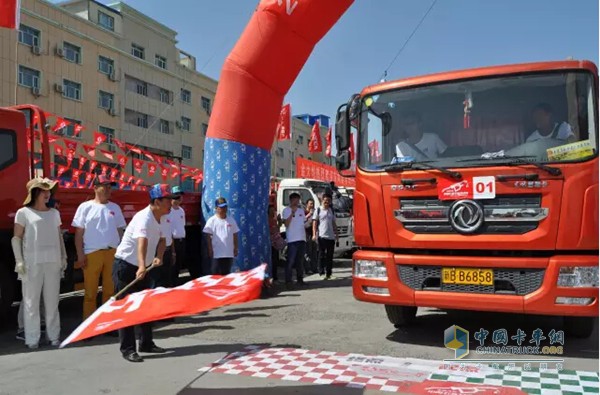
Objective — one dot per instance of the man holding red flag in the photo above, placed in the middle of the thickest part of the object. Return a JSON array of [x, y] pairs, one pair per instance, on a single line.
[[136, 253]]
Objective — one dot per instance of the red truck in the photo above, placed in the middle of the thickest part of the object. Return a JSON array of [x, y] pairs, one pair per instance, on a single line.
[[485, 194], [18, 165]]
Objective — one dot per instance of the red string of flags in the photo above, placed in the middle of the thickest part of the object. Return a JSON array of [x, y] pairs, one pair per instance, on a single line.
[[68, 148]]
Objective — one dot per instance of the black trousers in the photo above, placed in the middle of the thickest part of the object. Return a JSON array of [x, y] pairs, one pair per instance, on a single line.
[[123, 274], [274, 262], [326, 247], [179, 246], [160, 276], [222, 266]]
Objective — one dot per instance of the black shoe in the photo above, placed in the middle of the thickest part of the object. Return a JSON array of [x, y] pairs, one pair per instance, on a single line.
[[21, 335], [302, 283], [154, 349], [133, 357]]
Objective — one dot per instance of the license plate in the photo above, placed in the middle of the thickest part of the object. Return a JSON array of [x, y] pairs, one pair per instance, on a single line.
[[452, 275]]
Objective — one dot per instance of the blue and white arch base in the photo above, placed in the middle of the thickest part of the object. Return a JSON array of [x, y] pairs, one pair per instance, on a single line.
[[241, 174]]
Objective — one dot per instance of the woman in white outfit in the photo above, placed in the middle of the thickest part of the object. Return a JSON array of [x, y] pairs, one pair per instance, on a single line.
[[40, 258]]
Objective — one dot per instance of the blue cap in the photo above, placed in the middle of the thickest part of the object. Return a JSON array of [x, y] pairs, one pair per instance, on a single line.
[[159, 191]]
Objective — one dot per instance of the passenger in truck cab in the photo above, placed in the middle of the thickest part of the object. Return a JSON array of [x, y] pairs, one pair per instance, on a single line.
[[547, 127], [416, 143]]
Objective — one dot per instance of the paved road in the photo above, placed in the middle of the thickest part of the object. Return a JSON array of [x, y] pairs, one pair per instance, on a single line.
[[323, 317]]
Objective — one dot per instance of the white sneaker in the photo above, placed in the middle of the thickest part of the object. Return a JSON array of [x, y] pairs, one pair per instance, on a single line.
[[33, 346], [55, 343]]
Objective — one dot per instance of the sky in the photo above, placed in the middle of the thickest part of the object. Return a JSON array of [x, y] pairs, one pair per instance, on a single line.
[[457, 34]]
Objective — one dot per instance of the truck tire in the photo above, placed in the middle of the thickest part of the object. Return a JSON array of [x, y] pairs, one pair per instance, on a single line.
[[7, 291], [401, 315], [579, 327]]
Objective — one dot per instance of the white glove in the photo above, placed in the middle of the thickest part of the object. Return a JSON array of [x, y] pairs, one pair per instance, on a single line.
[[17, 247], [20, 269]]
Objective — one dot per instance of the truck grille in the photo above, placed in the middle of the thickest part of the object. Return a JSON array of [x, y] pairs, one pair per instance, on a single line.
[[342, 230], [506, 281], [503, 215]]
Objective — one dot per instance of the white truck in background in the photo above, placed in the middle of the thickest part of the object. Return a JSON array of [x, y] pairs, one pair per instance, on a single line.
[[314, 189]]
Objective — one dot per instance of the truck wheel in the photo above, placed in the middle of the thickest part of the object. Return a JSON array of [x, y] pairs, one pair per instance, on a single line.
[[401, 315], [580, 327], [7, 288]]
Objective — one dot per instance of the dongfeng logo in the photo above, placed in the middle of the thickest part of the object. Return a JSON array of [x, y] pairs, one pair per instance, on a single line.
[[466, 216]]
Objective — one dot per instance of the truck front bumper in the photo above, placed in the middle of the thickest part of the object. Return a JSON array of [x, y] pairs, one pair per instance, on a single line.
[[534, 281]]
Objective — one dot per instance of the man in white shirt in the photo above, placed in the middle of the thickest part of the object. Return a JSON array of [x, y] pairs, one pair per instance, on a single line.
[[294, 218], [417, 144], [143, 245], [99, 225], [222, 232], [177, 220], [547, 127]]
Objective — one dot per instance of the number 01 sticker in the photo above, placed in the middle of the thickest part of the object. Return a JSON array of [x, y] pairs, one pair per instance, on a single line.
[[484, 187]]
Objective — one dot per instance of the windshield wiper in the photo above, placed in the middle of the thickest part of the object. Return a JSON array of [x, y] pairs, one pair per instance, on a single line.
[[518, 161], [421, 166]]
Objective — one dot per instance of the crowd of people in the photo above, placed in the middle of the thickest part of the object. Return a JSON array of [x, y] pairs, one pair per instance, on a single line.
[[111, 252]]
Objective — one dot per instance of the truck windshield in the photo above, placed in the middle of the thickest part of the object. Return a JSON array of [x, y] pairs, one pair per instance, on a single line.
[[543, 117]]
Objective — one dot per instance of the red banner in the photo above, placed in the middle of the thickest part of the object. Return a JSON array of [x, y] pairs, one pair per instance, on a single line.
[[107, 154], [82, 160], [122, 146], [70, 144], [9, 17], [318, 171], [315, 144], [99, 138], [60, 123], [151, 168], [123, 160], [138, 165], [77, 129], [195, 296], [90, 150], [328, 142], [284, 129]]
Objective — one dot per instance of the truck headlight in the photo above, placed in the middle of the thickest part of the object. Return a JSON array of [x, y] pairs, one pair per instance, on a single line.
[[370, 269], [578, 276]]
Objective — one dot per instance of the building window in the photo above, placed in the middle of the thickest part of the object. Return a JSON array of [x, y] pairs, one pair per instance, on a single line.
[[105, 65], [280, 172], [142, 121], [137, 51], [109, 133], [204, 129], [186, 152], [106, 21], [142, 88], [186, 123], [160, 61], [165, 96], [206, 104], [29, 36], [300, 140], [279, 152], [29, 77], [69, 131], [164, 126], [186, 96], [72, 90], [105, 100], [72, 52]]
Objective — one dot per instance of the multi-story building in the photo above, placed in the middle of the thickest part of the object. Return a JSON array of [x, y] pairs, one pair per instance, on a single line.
[[111, 69], [117, 71]]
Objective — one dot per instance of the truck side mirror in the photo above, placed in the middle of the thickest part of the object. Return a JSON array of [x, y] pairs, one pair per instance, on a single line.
[[342, 160], [342, 128]]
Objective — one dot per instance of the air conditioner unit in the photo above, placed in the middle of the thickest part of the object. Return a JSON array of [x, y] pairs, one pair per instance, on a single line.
[[36, 50], [112, 76], [36, 91], [59, 88], [178, 124], [59, 52]]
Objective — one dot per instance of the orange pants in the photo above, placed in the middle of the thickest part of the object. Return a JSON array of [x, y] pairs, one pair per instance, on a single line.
[[99, 264]]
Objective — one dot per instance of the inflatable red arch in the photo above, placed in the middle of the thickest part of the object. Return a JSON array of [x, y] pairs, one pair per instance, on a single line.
[[255, 77]]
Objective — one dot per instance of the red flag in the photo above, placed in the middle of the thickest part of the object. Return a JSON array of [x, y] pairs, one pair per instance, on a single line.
[[70, 157], [70, 144], [374, 151], [164, 172], [175, 173], [122, 146], [138, 182], [195, 296], [113, 173], [68, 184], [90, 150], [138, 165], [151, 168], [123, 176], [60, 123], [107, 154], [10, 13], [99, 138], [88, 177], [36, 161], [122, 185], [61, 170], [82, 160], [104, 169], [93, 165], [149, 156], [315, 144], [52, 138], [123, 160], [284, 130], [351, 149], [134, 149], [76, 174], [130, 179], [328, 142], [58, 150], [77, 129]]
